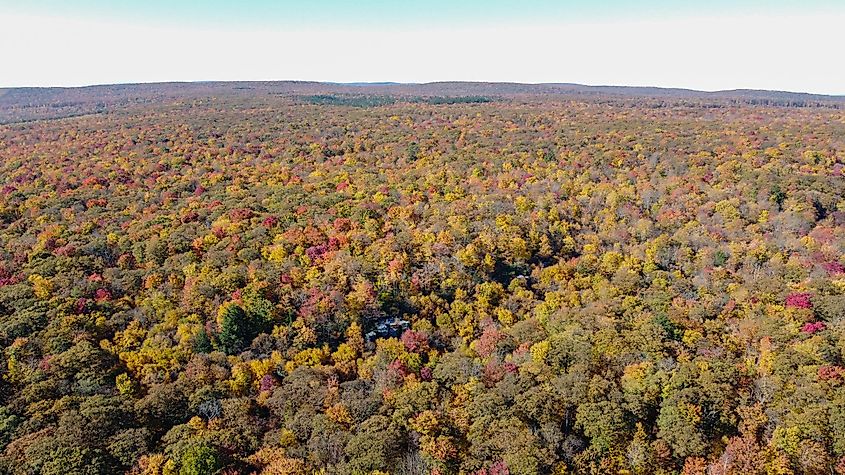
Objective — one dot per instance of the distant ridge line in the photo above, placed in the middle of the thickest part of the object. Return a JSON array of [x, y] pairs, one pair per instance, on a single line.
[[29, 104], [502, 87]]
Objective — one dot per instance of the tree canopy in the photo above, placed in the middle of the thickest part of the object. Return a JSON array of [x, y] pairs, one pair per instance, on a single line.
[[261, 284]]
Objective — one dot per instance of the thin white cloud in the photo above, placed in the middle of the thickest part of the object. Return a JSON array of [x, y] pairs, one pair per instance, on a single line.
[[798, 53]]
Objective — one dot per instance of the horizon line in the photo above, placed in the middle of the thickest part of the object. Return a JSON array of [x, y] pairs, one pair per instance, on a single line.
[[424, 83]]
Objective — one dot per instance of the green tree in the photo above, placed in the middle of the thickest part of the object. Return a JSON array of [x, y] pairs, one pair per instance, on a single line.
[[235, 329], [200, 459]]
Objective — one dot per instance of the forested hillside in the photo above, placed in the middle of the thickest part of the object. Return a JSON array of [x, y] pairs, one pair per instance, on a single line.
[[443, 281]]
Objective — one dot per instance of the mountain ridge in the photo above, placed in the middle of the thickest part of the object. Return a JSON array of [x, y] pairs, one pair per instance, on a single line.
[[27, 104], [503, 85]]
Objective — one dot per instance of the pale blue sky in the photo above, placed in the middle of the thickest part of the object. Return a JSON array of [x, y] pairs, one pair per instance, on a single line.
[[712, 44], [265, 13]]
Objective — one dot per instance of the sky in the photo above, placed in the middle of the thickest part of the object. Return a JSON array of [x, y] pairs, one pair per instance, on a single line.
[[792, 45]]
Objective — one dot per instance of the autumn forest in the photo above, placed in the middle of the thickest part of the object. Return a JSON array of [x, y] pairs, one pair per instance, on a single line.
[[474, 279]]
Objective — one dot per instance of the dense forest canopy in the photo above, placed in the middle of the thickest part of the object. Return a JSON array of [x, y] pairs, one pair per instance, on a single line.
[[443, 281]]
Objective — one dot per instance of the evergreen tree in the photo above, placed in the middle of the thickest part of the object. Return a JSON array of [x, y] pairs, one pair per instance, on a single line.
[[235, 329]]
